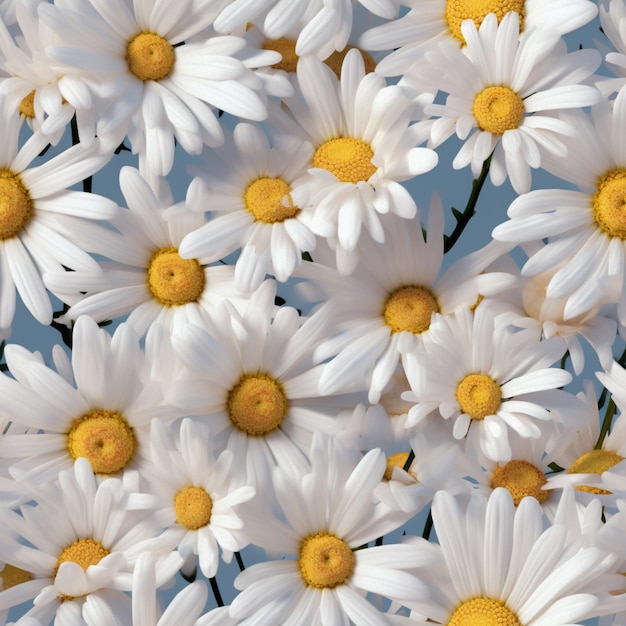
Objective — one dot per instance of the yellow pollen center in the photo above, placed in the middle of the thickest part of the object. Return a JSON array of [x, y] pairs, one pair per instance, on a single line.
[[609, 203], [594, 462], [335, 60], [269, 200], [477, 10], [325, 561], [287, 49], [398, 459], [150, 57], [175, 281], [12, 576], [104, 438], [193, 507], [27, 105], [498, 109], [522, 479], [84, 552], [483, 612], [410, 308], [478, 395], [257, 404], [16, 206], [348, 159]]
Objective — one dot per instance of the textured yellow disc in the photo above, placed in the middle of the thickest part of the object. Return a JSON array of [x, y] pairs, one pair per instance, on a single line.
[[335, 60], [257, 404], [27, 105], [193, 507], [269, 200], [477, 10], [16, 206], [287, 49], [483, 612], [12, 576], [609, 203], [84, 552], [410, 308], [498, 109], [150, 57], [478, 395], [349, 159], [325, 561], [175, 281], [522, 479], [104, 438], [398, 459], [594, 462]]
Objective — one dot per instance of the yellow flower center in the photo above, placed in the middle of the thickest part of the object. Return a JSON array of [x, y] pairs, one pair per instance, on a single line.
[[269, 200], [27, 105], [193, 507], [335, 60], [522, 479], [478, 395], [477, 10], [104, 438], [175, 281], [325, 561], [84, 552], [498, 109], [12, 576], [287, 49], [483, 612], [410, 308], [16, 206], [594, 462], [398, 459], [150, 57], [257, 404], [348, 159], [609, 203]]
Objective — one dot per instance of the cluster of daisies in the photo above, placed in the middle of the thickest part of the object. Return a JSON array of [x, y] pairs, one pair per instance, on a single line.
[[278, 356]]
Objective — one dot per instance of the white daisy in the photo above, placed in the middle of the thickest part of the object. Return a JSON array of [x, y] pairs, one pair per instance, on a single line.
[[585, 226], [498, 565], [196, 494], [385, 308], [429, 21], [148, 80], [36, 210], [46, 98], [500, 87], [250, 377], [78, 543], [247, 187], [147, 278], [613, 21], [364, 148], [466, 370], [328, 512], [98, 407]]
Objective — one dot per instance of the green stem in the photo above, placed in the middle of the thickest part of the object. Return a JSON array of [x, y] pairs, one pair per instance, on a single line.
[[216, 591], [76, 140], [428, 526], [409, 460], [462, 219], [606, 423], [240, 561]]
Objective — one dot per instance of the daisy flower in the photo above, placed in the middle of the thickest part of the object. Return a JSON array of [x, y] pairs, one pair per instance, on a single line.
[[584, 226], [77, 545], [364, 148], [329, 512], [146, 278], [148, 79], [613, 22], [498, 565], [597, 472], [36, 208], [500, 87], [248, 192], [428, 22], [250, 377], [465, 370], [385, 308], [98, 407], [195, 494], [46, 98]]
